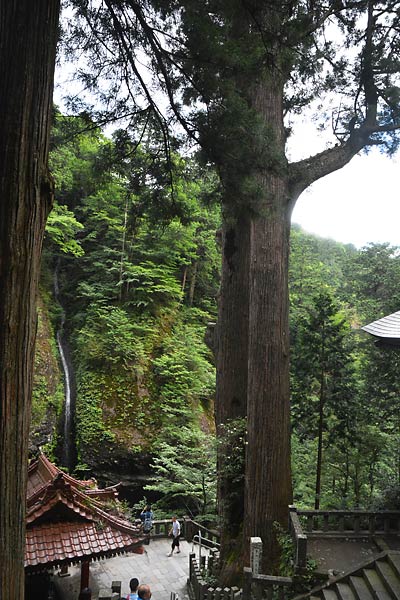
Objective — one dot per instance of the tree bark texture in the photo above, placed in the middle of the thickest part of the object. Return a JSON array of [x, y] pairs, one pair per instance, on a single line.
[[320, 439], [231, 397], [28, 37], [253, 359], [268, 475]]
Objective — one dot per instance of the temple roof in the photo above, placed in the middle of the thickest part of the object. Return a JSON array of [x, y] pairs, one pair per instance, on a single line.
[[69, 521], [386, 329]]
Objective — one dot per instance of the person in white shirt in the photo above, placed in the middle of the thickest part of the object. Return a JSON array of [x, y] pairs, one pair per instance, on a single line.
[[175, 531]]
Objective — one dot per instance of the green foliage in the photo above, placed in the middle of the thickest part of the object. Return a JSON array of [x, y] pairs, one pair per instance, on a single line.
[[303, 582], [185, 472], [47, 393], [62, 228], [361, 414], [109, 338], [182, 373]]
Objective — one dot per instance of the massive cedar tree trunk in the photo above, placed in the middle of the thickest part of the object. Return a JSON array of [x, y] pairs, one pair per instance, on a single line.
[[268, 476], [253, 356], [231, 399], [28, 35], [254, 329]]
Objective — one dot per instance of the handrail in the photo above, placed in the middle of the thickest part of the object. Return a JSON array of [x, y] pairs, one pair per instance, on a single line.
[[196, 539], [192, 528], [350, 522], [189, 530], [299, 538]]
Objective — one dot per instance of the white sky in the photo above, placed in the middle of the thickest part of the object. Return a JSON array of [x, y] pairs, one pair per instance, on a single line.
[[358, 204]]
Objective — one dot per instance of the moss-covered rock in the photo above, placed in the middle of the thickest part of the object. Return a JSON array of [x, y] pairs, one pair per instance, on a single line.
[[48, 391]]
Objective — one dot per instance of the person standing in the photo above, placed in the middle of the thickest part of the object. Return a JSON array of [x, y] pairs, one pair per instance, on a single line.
[[144, 592], [146, 517], [133, 585], [175, 531]]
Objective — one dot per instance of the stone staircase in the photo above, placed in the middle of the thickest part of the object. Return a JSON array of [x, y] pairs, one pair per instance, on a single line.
[[376, 579]]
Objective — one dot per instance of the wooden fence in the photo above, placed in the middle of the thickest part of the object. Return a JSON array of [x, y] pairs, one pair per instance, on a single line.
[[256, 585], [198, 582]]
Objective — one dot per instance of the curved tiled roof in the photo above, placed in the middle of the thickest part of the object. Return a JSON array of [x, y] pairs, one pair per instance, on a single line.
[[387, 327], [53, 544], [65, 524]]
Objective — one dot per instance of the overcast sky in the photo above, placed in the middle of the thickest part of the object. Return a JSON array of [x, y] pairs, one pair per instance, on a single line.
[[358, 204]]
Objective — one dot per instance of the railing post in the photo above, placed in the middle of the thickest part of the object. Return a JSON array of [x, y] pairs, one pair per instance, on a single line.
[[247, 578], [203, 587], [210, 593], [301, 554], [255, 555], [234, 591], [292, 509], [386, 524], [217, 593], [356, 522], [187, 529], [310, 523], [210, 563], [342, 526], [325, 521], [372, 524], [191, 559]]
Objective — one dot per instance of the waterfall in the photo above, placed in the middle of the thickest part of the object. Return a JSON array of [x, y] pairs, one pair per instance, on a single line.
[[67, 429]]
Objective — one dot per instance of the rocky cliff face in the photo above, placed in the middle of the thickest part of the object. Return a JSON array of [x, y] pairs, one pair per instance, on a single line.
[[47, 397], [123, 410]]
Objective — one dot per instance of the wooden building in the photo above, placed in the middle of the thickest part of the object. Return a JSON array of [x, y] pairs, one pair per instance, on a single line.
[[70, 521], [386, 330]]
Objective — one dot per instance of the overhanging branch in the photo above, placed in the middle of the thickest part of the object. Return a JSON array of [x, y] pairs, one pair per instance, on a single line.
[[304, 172]]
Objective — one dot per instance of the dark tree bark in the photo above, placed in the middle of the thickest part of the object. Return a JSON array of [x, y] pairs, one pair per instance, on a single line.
[[28, 36], [231, 399], [319, 451]]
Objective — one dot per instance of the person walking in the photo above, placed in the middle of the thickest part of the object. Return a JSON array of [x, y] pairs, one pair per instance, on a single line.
[[133, 585], [175, 531]]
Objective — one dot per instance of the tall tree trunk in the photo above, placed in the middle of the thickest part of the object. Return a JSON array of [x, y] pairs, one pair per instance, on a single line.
[[268, 480], [193, 279], [231, 397], [268, 472], [319, 452], [28, 36]]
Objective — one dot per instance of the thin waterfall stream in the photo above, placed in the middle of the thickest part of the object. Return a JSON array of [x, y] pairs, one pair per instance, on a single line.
[[67, 445]]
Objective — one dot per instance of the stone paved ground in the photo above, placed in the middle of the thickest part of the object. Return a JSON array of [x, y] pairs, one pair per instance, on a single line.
[[340, 555], [163, 574]]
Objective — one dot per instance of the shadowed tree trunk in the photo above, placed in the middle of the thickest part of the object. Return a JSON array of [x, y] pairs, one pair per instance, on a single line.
[[231, 399], [28, 36]]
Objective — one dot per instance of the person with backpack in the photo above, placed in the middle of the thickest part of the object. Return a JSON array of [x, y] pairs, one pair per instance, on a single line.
[[146, 517], [133, 584]]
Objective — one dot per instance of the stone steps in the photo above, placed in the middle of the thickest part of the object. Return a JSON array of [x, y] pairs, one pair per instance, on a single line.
[[376, 580]]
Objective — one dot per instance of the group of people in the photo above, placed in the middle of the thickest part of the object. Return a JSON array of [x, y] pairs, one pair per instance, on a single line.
[[146, 516], [143, 592], [137, 592]]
